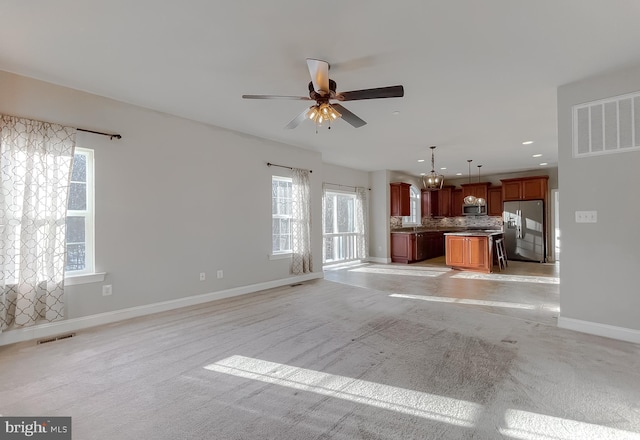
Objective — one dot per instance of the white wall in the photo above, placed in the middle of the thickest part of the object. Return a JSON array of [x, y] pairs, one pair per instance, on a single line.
[[379, 210], [599, 290], [173, 198]]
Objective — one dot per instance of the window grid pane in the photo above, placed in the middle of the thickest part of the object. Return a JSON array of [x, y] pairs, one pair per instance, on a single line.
[[281, 208], [79, 223]]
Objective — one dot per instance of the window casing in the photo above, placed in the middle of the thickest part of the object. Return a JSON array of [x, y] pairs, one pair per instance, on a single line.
[[414, 218], [281, 213], [340, 234], [80, 215]]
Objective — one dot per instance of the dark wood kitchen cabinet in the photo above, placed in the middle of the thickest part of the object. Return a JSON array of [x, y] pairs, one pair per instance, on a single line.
[[525, 188], [457, 199], [417, 246], [494, 201], [478, 190], [400, 199], [426, 205], [437, 203], [403, 248]]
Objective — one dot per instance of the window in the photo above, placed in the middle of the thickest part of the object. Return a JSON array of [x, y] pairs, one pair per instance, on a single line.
[[281, 207], [340, 231], [414, 218], [79, 239]]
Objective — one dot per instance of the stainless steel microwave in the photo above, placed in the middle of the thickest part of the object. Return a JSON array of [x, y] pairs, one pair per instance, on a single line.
[[474, 209]]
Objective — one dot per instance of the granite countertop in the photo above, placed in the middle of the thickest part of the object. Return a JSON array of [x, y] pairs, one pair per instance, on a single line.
[[450, 231], [472, 233]]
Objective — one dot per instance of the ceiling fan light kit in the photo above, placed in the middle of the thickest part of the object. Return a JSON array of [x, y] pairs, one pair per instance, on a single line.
[[322, 89]]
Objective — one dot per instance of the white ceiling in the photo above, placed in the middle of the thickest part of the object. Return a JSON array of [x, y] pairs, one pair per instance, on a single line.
[[480, 77]]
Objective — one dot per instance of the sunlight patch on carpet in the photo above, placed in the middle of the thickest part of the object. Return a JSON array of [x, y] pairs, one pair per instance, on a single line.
[[501, 277], [525, 425], [479, 302], [415, 403], [404, 272]]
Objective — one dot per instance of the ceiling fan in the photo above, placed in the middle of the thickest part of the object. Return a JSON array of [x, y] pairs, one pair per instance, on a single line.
[[322, 90]]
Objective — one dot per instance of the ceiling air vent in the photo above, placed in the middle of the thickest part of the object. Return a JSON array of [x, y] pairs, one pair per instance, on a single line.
[[607, 126]]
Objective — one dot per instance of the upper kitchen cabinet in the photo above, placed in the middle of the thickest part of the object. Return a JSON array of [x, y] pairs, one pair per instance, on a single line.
[[437, 203], [494, 201], [428, 203], [478, 190], [457, 199], [525, 188], [400, 199]]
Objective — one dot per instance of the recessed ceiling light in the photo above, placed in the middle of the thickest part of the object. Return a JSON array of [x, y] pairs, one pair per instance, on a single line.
[[537, 155], [423, 174], [527, 143], [420, 160], [458, 174], [443, 168], [543, 164], [395, 113]]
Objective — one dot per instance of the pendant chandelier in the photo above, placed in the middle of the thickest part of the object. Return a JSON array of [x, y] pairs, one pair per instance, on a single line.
[[480, 201], [470, 200], [432, 181]]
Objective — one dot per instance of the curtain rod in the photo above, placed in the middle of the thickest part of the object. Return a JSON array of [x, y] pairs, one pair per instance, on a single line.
[[344, 186], [111, 136], [269, 164]]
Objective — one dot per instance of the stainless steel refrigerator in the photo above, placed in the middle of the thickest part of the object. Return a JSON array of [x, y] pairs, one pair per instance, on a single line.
[[524, 237]]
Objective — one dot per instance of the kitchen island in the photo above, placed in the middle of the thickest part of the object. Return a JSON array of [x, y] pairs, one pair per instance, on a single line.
[[471, 250]]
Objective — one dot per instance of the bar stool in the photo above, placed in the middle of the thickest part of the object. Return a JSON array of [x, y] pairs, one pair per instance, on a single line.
[[501, 253]]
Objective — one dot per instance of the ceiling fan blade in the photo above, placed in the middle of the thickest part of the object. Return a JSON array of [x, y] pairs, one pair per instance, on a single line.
[[301, 98], [298, 119], [319, 71], [348, 116], [381, 92]]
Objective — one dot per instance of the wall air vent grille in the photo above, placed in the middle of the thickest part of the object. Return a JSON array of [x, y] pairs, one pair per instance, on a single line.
[[56, 338], [607, 126]]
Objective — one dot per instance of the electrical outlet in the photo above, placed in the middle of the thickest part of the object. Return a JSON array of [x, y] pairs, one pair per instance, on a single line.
[[107, 290], [220, 274], [203, 276]]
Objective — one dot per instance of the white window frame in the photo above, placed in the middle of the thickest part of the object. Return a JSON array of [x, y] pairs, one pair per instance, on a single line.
[[415, 219], [277, 254], [88, 274], [347, 239]]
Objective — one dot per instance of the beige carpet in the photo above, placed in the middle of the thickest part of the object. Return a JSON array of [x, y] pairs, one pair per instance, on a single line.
[[327, 360]]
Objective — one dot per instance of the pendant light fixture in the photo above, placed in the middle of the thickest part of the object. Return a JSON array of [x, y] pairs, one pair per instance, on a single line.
[[480, 201], [432, 181], [470, 200]]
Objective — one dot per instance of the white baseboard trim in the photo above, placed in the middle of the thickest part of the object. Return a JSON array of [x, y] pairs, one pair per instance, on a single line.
[[595, 328], [379, 260], [74, 324]]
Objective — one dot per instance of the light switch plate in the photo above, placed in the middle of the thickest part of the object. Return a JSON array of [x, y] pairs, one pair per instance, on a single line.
[[586, 216]]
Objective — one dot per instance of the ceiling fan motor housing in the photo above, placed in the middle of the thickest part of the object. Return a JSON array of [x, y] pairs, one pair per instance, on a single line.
[[315, 95]]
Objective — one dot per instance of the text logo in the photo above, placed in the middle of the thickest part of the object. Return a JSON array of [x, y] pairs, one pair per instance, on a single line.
[[37, 428]]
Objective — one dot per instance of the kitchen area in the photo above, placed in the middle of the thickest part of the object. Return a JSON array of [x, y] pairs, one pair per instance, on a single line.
[[465, 223]]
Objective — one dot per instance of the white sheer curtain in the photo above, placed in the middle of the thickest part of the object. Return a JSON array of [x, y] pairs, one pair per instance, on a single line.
[[362, 226], [302, 261], [35, 166]]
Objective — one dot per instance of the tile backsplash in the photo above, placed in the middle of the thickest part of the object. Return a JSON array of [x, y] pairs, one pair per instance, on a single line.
[[468, 221]]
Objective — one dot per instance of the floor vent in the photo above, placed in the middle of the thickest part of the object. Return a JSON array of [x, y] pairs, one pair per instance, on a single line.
[[296, 285], [56, 338]]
